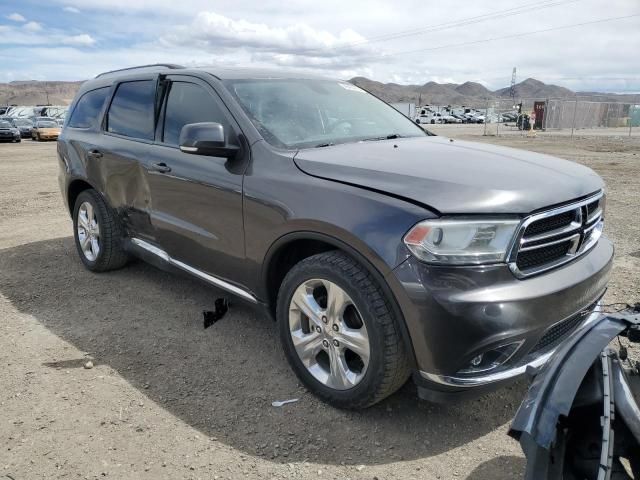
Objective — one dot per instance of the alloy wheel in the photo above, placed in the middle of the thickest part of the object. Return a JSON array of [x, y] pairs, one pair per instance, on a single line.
[[88, 231], [328, 334]]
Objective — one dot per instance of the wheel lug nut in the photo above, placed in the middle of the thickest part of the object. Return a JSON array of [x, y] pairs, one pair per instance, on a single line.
[[324, 320], [325, 344], [335, 327], [336, 343]]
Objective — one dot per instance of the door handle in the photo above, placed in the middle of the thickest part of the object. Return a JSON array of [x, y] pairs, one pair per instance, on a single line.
[[161, 167], [94, 153]]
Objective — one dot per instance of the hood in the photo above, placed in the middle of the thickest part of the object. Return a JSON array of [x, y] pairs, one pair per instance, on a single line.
[[453, 176], [49, 131]]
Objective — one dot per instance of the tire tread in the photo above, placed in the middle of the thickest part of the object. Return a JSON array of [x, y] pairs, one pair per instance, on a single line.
[[394, 370], [112, 255]]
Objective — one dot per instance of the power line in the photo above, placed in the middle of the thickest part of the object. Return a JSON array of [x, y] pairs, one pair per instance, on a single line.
[[504, 37], [528, 7]]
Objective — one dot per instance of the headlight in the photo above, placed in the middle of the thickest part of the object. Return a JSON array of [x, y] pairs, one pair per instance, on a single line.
[[462, 242]]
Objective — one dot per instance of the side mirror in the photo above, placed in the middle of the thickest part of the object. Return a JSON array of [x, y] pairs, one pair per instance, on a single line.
[[206, 138]]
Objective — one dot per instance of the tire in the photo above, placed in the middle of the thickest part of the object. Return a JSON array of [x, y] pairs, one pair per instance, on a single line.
[[387, 366], [109, 254]]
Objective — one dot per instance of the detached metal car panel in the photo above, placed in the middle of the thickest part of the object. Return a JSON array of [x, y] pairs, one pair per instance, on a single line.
[[381, 250]]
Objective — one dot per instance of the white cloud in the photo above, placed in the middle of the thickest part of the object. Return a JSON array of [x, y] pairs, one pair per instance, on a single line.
[[32, 37], [71, 9], [83, 40], [16, 17], [210, 30], [32, 26], [321, 37]]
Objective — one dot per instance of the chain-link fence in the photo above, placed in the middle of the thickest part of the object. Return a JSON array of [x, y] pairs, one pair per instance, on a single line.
[[571, 116]]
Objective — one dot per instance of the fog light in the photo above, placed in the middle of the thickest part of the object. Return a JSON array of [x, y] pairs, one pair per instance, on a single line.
[[491, 359]]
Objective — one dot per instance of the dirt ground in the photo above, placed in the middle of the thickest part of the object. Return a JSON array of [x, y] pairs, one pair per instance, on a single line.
[[167, 399]]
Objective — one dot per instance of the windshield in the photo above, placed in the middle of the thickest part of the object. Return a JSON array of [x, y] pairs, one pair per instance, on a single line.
[[294, 113], [47, 124], [21, 122], [4, 124]]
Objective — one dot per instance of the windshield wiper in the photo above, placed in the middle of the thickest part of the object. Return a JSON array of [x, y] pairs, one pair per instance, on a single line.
[[391, 136], [320, 145]]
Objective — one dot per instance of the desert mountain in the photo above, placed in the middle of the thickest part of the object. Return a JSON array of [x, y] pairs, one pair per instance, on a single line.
[[475, 94], [469, 93]]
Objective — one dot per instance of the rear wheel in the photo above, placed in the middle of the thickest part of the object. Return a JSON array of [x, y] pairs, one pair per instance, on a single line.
[[98, 234], [339, 332]]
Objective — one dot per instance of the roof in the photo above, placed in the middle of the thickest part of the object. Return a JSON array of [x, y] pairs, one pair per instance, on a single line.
[[238, 73], [222, 73]]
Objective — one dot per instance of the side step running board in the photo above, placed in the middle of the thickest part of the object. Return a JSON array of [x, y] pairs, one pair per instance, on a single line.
[[158, 252]]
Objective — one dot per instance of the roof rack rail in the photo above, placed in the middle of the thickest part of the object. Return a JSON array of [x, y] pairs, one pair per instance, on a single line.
[[171, 66]]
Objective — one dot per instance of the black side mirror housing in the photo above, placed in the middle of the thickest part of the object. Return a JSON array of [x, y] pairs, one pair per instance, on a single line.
[[207, 138]]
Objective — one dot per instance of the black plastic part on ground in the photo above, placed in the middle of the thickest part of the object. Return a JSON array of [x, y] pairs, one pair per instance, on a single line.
[[561, 393]]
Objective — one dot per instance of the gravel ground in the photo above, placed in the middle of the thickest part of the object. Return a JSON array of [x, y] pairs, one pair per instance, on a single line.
[[167, 399]]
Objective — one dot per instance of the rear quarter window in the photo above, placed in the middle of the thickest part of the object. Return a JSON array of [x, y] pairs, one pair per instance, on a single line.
[[85, 114], [132, 110]]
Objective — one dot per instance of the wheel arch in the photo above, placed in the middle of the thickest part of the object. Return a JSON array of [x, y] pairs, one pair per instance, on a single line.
[[75, 188], [291, 248]]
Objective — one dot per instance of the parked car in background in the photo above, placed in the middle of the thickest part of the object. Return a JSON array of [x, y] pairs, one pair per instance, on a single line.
[[424, 119], [460, 117], [448, 118], [8, 133], [475, 117], [45, 130], [24, 125]]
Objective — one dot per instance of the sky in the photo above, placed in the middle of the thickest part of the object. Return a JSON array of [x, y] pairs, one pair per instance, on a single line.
[[565, 42]]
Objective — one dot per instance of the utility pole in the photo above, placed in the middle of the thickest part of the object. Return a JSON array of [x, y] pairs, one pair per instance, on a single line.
[[512, 91]]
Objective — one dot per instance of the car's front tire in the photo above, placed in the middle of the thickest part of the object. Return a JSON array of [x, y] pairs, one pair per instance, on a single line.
[[98, 234], [339, 332]]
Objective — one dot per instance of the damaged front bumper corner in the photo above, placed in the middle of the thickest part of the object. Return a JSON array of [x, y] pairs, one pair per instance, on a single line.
[[583, 370]]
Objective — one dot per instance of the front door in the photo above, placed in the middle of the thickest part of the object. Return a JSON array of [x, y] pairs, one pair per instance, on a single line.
[[196, 200]]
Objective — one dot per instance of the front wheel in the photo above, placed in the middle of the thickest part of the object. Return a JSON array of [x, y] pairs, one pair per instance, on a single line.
[[339, 332]]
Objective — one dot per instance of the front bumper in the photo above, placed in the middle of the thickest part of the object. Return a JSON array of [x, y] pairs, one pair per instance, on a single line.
[[454, 314]]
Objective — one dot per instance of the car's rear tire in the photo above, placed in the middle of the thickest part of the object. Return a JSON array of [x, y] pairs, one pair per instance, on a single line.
[[356, 355], [98, 233]]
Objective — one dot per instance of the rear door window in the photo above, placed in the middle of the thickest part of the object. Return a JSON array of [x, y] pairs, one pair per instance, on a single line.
[[132, 110], [85, 115], [189, 103]]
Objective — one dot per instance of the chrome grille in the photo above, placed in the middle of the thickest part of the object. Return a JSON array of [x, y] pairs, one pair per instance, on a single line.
[[552, 238]]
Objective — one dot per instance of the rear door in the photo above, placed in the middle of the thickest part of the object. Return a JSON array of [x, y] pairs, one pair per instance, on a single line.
[[129, 132], [196, 200]]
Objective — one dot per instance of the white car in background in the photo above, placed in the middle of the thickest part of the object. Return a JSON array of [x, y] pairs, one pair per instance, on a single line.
[[429, 118], [448, 118]]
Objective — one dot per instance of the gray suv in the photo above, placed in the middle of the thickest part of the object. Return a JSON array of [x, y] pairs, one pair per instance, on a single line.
[[381, 251]]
